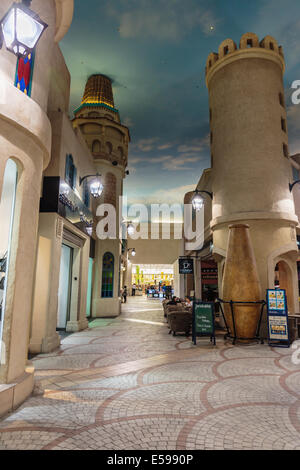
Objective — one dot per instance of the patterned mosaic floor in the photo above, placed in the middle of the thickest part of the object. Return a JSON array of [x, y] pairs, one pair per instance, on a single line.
[[127, 384]]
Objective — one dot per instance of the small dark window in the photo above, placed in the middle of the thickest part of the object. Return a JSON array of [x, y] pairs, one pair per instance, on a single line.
[[211, 137], [283, 125], [281, 100], [71, 172], [226, 50], [249, 43], [271, 46], [210, 114], [295, 174], [285, 150], [86, 193], [209, 63]]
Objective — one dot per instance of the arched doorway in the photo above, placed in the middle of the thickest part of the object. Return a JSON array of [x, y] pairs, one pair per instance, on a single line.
[[284, 280]]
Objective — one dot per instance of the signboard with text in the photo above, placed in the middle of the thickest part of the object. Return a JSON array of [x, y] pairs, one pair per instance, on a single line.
[[186, 266], [278, 325], [203, 320]]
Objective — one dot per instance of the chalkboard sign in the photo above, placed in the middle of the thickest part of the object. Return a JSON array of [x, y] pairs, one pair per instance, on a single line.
[[203, 320], [278, 325]]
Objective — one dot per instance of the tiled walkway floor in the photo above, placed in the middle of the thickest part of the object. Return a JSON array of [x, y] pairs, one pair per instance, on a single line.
[[127, 384]]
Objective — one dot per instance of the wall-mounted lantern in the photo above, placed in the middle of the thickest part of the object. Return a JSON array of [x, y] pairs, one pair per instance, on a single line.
[[198, 200], [21, 29], [96, 187]]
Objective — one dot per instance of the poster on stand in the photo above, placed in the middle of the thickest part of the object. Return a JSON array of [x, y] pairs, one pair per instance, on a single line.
[[278, 325]]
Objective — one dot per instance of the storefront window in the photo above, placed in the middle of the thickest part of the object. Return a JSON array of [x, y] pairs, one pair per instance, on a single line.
[[7, 205], [108, 275]]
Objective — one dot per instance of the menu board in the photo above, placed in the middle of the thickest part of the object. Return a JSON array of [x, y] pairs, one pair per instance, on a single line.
[[277, 316], [203, 320]]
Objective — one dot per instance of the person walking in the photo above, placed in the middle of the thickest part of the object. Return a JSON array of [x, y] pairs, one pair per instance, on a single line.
[[125, 294], [133, 290]]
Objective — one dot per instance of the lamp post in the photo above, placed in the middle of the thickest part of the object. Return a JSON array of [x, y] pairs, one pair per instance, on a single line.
[[198, 200], [96, 186], [21, 29]]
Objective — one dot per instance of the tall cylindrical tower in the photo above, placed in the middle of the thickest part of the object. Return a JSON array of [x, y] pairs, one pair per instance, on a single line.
[[99, 123], [251, 170]]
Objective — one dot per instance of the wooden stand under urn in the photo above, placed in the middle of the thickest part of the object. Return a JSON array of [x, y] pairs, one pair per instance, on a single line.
[[241, 284]]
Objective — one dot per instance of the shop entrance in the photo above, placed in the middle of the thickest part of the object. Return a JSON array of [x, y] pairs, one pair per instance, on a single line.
[[284, 280], [209, 280], [156, 278], [65, 287]]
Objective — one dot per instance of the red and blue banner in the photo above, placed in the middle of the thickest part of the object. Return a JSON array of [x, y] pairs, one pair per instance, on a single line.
[[24, 73]]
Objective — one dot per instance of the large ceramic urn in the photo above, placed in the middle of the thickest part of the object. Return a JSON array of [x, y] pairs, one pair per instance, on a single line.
[[241, 283]]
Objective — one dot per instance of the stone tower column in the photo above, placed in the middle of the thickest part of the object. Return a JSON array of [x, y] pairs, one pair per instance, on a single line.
[[99, 123], [249, 150]]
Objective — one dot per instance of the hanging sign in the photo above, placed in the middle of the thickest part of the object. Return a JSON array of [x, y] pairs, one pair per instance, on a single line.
[[203, 320], [186, 266], [278, 325]]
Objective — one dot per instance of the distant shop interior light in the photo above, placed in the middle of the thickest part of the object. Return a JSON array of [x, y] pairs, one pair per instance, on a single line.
[[96, 187], [21, 29], [198, 200]]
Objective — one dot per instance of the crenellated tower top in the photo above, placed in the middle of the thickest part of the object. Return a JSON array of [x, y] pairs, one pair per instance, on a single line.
[[249, 46]]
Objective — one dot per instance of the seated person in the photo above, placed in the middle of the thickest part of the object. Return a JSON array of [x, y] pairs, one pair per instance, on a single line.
[[188, 302], [174, 301]]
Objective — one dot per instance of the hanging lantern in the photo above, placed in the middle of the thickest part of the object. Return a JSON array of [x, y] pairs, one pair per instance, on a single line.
[[96, 187], [21, 29], [198, 202], [130, 229], [89, 230]]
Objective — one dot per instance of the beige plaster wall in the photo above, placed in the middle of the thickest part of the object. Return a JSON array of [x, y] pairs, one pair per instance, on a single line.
[[156, 251]]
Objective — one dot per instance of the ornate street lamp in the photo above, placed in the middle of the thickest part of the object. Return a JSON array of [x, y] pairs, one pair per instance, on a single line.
[[198, 200], [130, 229], [21, 29], [96, 186], [132, 251], [89, 230]]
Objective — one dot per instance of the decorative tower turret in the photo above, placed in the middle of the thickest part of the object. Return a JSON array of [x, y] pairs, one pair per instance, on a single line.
[[99, 122], [251, 170]]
